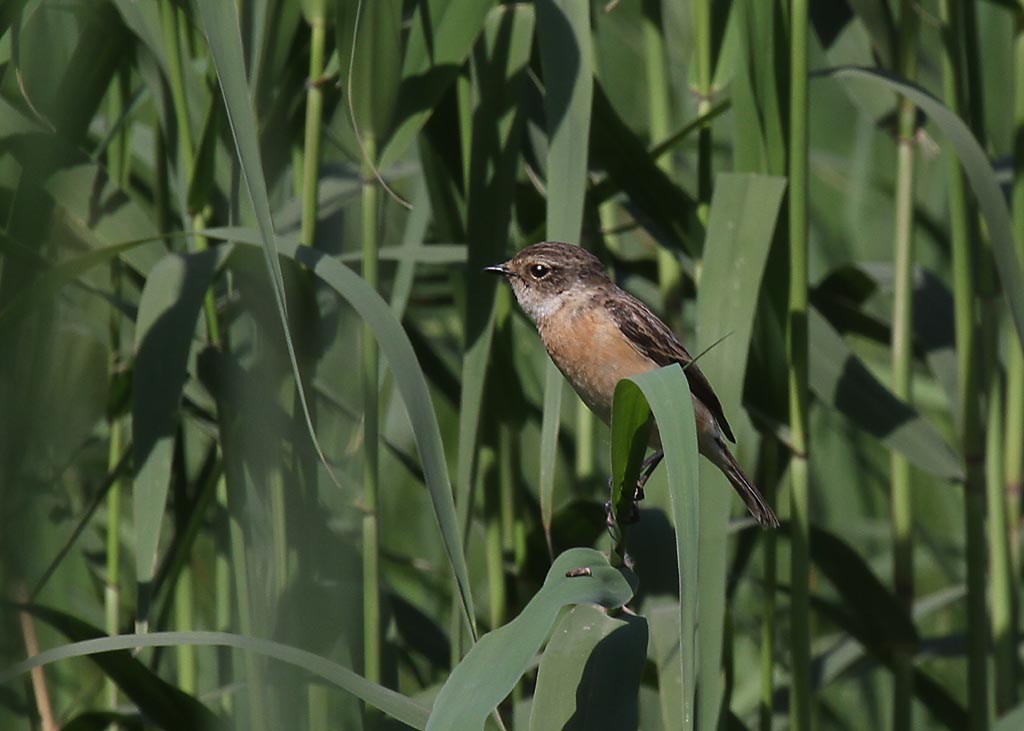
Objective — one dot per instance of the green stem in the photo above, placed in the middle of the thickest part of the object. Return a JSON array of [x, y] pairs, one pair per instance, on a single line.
[[254, 669], [222, 587], [1004, 630], [1015, 356], [972, 438], [771, 451], [371, 540], [176, 69], [493, 547], [118, 165], [510, 518], [670, 274], [902, 361], [800, 701], [112, 593], [184, 622], [314, 115], [703, 39]]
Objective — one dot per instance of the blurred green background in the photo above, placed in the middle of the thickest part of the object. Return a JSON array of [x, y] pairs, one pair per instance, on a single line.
[[253, 383]]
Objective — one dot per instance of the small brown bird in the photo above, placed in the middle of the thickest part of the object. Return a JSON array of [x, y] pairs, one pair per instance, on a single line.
[[597, 334]]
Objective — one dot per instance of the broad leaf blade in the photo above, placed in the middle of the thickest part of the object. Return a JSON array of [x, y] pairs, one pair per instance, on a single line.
[[441, 35], [841, 380], [394, 704], [589, 676], [492, 668], [563, 35], [158, 700], [668, 395], [741, 226], [980, 174], [164, 330]]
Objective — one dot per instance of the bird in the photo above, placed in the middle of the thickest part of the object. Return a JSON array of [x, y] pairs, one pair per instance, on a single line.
[[597, 334]]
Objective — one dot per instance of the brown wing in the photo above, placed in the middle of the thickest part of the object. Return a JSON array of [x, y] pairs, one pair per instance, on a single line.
[[652, 338]]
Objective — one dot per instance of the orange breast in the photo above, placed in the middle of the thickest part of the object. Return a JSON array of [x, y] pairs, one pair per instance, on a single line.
[[592, 353]]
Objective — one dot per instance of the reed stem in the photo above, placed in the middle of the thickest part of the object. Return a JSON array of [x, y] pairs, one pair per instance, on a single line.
[[372, 634], [670, 274], [971, 430], [1015, 352], [800, 698], [314, 117], [902, 362]]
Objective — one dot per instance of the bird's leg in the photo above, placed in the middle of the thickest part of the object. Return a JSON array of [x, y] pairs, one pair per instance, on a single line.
[[646, 470]]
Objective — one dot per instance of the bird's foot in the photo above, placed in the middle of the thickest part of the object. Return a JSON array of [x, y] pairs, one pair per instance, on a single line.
[[629, 516]]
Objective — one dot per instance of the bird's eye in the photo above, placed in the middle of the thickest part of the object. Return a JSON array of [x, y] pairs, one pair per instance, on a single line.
[[539, 271]]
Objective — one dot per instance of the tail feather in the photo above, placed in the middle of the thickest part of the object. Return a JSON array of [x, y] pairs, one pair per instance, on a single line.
[[752, 497]]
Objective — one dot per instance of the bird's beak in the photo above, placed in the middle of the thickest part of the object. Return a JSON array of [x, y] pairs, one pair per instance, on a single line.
[[499, 269]]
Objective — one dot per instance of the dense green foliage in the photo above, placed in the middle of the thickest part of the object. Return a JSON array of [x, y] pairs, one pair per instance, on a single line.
[[274, 453]]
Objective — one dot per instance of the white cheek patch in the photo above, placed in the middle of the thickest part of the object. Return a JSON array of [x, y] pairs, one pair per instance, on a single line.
[[540, 308]]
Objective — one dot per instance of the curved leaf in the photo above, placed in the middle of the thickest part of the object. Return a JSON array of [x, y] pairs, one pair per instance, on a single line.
[[167, 706], [394, 704], [441, 35], [841, 380], [164, 330], [412, 385], [564, 41], [741, 226], [370, 61], [492, 668], [979, 172], [500, 61], [668, 396], [589, 676], [220, 24]]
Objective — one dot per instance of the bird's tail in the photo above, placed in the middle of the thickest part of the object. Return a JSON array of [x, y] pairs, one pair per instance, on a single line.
[[753, 498]]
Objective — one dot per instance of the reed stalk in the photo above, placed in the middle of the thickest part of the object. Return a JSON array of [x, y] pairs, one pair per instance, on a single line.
[[119, 167], [705, 70], [902, 360], [800, 690], [964, 240], [1015, 355], [372, 633], [670, 274], [314, 118]]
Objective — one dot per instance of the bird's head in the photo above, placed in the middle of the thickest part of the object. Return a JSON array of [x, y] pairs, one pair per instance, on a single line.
[[545, 276]]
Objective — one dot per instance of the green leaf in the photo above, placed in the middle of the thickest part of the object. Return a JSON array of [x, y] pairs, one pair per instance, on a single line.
[[631, 430], [492, 668], [668, 396], [1012, 721], [54, 278], [663, 616], [841, 380], [499, 65], [201, 186], [103, 720], [564, 39], [441, 34], [885, 623], [589, 675], [563, 34], [877, 19], [220, 23], [741, 226], [979, 173], [394, 704], [369, 38], [553, 384], [164, 330], [162, 703], [412, 386], [660, 205]]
